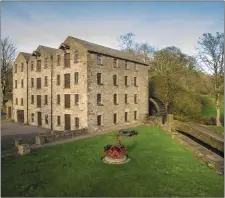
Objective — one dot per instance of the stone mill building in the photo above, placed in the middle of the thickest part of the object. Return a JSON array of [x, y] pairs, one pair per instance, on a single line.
[[79, 85]]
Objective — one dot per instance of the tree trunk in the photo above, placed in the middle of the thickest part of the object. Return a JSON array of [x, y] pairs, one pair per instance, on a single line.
[[218, 123], [166, 106], [2, 99]]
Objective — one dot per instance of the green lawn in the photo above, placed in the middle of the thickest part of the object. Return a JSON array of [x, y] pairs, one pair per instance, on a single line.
[[209, 110], [158, 167]]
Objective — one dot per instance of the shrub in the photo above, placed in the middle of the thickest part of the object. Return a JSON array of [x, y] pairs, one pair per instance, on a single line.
[[208, 120], [188, 105], [205, 101]]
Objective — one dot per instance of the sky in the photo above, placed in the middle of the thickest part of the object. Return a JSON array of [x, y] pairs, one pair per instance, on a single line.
[[160, 24]]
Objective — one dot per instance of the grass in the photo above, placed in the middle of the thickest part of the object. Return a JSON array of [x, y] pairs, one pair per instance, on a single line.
[[209, 109], [158, 167]]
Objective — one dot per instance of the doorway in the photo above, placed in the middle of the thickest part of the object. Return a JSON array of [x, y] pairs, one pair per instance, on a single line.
[[67, 122]]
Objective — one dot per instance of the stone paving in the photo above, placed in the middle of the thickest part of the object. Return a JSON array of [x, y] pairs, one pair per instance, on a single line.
[[11, 131]]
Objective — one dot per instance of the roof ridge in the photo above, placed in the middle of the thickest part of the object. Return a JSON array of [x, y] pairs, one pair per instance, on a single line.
[[109, 51], [98, 44], [47, 47], [25, 53]]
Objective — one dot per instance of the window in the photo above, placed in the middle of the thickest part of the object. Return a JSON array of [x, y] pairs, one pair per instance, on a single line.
[[46, 63], [76, 99], [76, 77], [99, 78], [15, 70], [38, 83], [66, 80], [38, 65], [126, 65], [16, 101], [135, 66], [135, 115], [115, 62], [22, 83], [58, 99], [115, 118], [126, 81], [76, 56], [67, 60], [135, 81], [32, 99], [115, 80], [99, 120], [99, 99], [21, 67], [16, 84], [115, 99], [46, 99], [58, 120], [46, 81], [32, 117], [21, 102], [32, 65], [126, 116], [126, 101], [58, 60], [38, 100], [67, 100], [99, 60], [32, 82], [46, 119], [76, 122], [135, 99], [58, 79]]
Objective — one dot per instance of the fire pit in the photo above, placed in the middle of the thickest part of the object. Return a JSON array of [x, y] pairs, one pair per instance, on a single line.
[[117, 154]]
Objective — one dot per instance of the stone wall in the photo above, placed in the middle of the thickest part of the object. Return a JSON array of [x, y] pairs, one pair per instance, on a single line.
[[155, 120], [107, 89], [200, 134], [59, 135], [45, 90], [79, 110], [20, 92]]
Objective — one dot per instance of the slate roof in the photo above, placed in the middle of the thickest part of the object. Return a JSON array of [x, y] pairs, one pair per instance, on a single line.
[[26, 55], [108, 51], [49, 50]]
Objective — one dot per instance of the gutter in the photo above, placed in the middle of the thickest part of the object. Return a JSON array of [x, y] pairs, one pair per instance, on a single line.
[[118, 57], [51, 91], [27, 92]]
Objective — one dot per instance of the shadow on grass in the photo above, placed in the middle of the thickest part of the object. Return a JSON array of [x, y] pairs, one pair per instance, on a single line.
[[132, 146]]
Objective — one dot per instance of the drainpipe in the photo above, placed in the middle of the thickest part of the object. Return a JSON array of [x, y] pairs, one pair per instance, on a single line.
[[51, 89], [27, 92]]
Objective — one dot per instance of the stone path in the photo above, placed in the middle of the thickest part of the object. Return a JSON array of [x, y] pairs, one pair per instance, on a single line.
[[11, 131]]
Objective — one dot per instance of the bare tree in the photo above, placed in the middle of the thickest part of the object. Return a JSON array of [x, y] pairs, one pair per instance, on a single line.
[[127, 43], [211, 56], [142, 50], [145, 51], [8, 52]]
